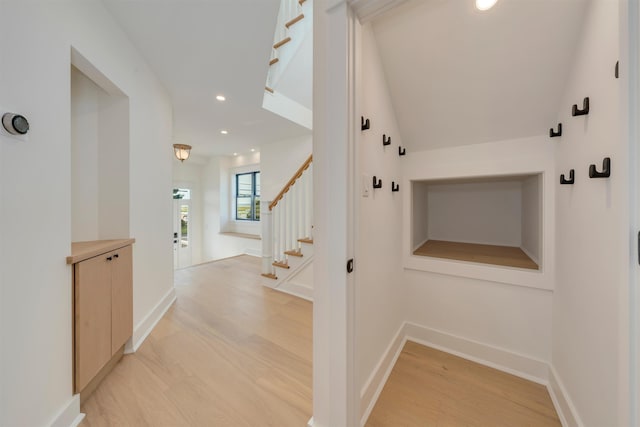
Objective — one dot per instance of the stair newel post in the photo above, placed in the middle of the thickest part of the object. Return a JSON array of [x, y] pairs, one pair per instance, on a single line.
[[276, 232], [283, 229], [296, 215], [309, 215], [301, 213], [266, 221]]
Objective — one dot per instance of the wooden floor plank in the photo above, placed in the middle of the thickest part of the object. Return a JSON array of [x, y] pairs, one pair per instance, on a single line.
[[428, 387], [229, 352]]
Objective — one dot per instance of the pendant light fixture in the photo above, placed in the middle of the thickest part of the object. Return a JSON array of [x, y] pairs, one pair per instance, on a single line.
[[182, 151]]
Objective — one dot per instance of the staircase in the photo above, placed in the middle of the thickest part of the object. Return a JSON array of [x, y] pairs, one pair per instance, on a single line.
[[287, 238], [289, 79]]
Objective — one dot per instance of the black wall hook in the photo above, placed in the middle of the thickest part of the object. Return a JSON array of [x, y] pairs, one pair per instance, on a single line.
[[553, 134], [394, 187], [606, 169], [364, 123], [585, 108], [385, 140], [377, 183], [402, 151], [571, 180]]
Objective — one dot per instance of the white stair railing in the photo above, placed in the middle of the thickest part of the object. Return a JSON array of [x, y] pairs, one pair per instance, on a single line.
[[288, 219]]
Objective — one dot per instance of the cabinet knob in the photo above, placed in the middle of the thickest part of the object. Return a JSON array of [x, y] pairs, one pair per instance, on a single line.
[[108, 258], [116, 255]]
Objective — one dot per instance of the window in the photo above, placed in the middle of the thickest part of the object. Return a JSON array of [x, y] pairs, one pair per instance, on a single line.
[[248, 196]]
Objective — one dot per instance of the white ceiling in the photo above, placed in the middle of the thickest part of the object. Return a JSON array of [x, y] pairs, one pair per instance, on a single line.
[[200, 48], [459, 76]]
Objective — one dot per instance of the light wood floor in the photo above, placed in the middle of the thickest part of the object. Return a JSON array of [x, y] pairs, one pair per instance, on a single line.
[[509, 256], [428, 387], [229, 352], [232, 353]]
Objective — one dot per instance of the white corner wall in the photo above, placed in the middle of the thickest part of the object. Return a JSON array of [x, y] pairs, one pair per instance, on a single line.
[[590, 310], [279, 161], [217, 212], [379, 290], [35, 212]]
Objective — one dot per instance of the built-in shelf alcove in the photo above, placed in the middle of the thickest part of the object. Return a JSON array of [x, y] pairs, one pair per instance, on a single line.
[[490, 220], [99, 113]]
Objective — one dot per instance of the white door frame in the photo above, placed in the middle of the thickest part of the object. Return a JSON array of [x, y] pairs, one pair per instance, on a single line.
[[335, 398], [630, 101]]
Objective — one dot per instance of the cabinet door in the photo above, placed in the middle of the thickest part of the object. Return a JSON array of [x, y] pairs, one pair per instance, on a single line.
[[121, 297], [92, 298]]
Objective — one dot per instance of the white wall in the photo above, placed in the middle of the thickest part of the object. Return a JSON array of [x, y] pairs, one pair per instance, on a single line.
[[379, 291], [217, 209], [188, 174], [36, 334], [279, 161], [590, 311], [479, 212], [531, 217]]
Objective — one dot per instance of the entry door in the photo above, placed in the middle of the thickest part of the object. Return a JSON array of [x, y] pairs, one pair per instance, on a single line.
[[181, 233]]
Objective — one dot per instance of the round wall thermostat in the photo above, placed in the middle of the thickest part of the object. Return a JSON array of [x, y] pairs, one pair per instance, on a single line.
[[15, 124]]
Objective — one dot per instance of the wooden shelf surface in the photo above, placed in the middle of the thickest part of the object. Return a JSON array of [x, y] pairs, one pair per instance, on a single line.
[[509, 256], [85, 250]]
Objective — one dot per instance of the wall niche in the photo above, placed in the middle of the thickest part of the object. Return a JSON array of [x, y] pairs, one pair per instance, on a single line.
[[493, 220], [99, 155]]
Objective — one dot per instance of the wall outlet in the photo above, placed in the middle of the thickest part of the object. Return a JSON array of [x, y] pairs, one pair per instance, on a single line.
[[366, 185]]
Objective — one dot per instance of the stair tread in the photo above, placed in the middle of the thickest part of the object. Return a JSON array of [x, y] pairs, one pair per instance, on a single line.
[[270, 276], [306, 240], [294, 20], [294, 253], [280, 264], [273, 61], [282, 42]]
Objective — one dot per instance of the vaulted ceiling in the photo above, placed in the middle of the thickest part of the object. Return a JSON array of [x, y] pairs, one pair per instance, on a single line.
[[201, 48], [459, 76]]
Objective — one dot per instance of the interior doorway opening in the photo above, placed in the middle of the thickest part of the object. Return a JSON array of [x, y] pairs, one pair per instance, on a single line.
[[181, 228]]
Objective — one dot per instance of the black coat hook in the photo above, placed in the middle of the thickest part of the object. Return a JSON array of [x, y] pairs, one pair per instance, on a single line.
[[617, 69], [606, 169], [553, 134], [385, 140], [377, 183], [394, 187], [402, 151], [585, 108], [571, 180], [365, 123]]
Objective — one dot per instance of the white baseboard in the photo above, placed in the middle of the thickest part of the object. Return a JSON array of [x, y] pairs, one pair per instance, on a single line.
[[498, 358], [300, 291], [374, 385], [504, 360], [310, 422], [144, 328], [69, 415], [562, 402]]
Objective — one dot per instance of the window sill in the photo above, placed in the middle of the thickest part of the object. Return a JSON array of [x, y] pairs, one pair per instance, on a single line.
[[241, 235]]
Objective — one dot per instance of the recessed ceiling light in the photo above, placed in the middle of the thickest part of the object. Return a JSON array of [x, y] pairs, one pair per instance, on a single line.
[[235, 154], [221, 98], [485, 4], [224, 132], [253, 150]]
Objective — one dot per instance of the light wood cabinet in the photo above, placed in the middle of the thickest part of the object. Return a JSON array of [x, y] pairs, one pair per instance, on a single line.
[[103, 304]]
